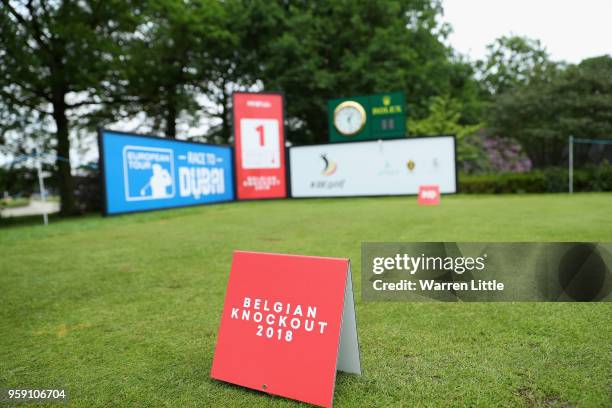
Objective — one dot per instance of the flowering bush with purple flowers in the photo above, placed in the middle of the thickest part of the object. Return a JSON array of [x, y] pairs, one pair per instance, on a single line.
[[506, 155]]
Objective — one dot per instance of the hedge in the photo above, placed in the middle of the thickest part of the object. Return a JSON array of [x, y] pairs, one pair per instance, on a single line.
[[552, 180]]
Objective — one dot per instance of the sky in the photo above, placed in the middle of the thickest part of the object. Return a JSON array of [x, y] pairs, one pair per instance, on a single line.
[[570, 30]]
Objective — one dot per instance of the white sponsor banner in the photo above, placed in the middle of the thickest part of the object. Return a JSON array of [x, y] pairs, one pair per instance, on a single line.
[[383, 167]]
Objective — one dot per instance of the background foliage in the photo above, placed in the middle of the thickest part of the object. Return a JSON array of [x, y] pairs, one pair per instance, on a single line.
[[170, 67]]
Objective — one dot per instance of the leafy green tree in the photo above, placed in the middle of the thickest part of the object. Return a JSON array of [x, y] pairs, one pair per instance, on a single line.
[[543, 114], [235, 65], [513, 61], [171, 58], [315, 51], [444, 119], [584, 100], [56, 58]]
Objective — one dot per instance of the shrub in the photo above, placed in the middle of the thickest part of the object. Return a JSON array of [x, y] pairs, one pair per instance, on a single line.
[[552, 180], [506, 155]]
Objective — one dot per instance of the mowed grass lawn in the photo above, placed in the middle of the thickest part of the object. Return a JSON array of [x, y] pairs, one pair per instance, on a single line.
[[124, 311]]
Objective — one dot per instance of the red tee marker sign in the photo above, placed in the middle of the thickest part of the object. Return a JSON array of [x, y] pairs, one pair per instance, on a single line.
[[288, 324], [259, 134], [429, 195]]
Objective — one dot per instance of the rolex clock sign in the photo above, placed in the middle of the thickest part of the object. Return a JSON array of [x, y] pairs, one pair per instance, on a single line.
[[378, 116], [387, 115], [348, 119]]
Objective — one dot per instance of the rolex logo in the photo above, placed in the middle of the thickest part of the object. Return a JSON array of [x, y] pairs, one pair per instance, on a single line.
[[386, 100]]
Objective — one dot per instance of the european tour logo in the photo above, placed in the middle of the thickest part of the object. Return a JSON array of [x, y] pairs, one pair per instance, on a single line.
[[278, 320]]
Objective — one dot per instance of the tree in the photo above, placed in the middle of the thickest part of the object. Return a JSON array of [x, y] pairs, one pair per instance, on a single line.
[[584, 99], [170, 59], [55, 59], [444, 119], [315, 51], [543, 114], [236, 64], [513, 61]]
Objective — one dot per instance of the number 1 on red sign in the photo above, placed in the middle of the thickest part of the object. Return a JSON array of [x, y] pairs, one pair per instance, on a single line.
[[260, 130]]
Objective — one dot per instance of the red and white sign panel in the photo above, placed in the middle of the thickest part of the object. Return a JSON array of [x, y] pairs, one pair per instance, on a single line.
[[429, 195], [288, 324], [259, 134]]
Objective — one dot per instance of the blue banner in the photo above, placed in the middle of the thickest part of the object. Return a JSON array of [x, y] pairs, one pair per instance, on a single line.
[[147, 173]]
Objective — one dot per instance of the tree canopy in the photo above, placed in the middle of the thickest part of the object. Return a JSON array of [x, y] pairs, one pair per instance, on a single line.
[[542, 115], [57, 60], [512, 61], [170, 60], [315, 51]]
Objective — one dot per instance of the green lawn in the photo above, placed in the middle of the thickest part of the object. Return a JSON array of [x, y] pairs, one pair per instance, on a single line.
[[124, 311]]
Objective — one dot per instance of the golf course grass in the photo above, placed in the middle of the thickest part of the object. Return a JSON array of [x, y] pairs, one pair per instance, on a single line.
[[124, 311]]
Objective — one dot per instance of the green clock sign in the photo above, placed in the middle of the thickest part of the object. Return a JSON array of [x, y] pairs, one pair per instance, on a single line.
[[378, 116]]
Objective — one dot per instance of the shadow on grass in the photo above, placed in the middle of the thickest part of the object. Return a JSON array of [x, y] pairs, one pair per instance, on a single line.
[[33, 220], [27, 220]]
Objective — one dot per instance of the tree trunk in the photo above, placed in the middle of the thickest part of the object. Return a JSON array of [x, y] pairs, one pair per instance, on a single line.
[[171, 113], [64, 175], [226, 129]]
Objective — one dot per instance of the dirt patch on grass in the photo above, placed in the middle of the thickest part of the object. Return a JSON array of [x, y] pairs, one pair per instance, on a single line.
[[532, 399]]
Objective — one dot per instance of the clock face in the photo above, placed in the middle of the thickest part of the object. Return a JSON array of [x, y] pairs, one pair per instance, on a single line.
[[349, 118]]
